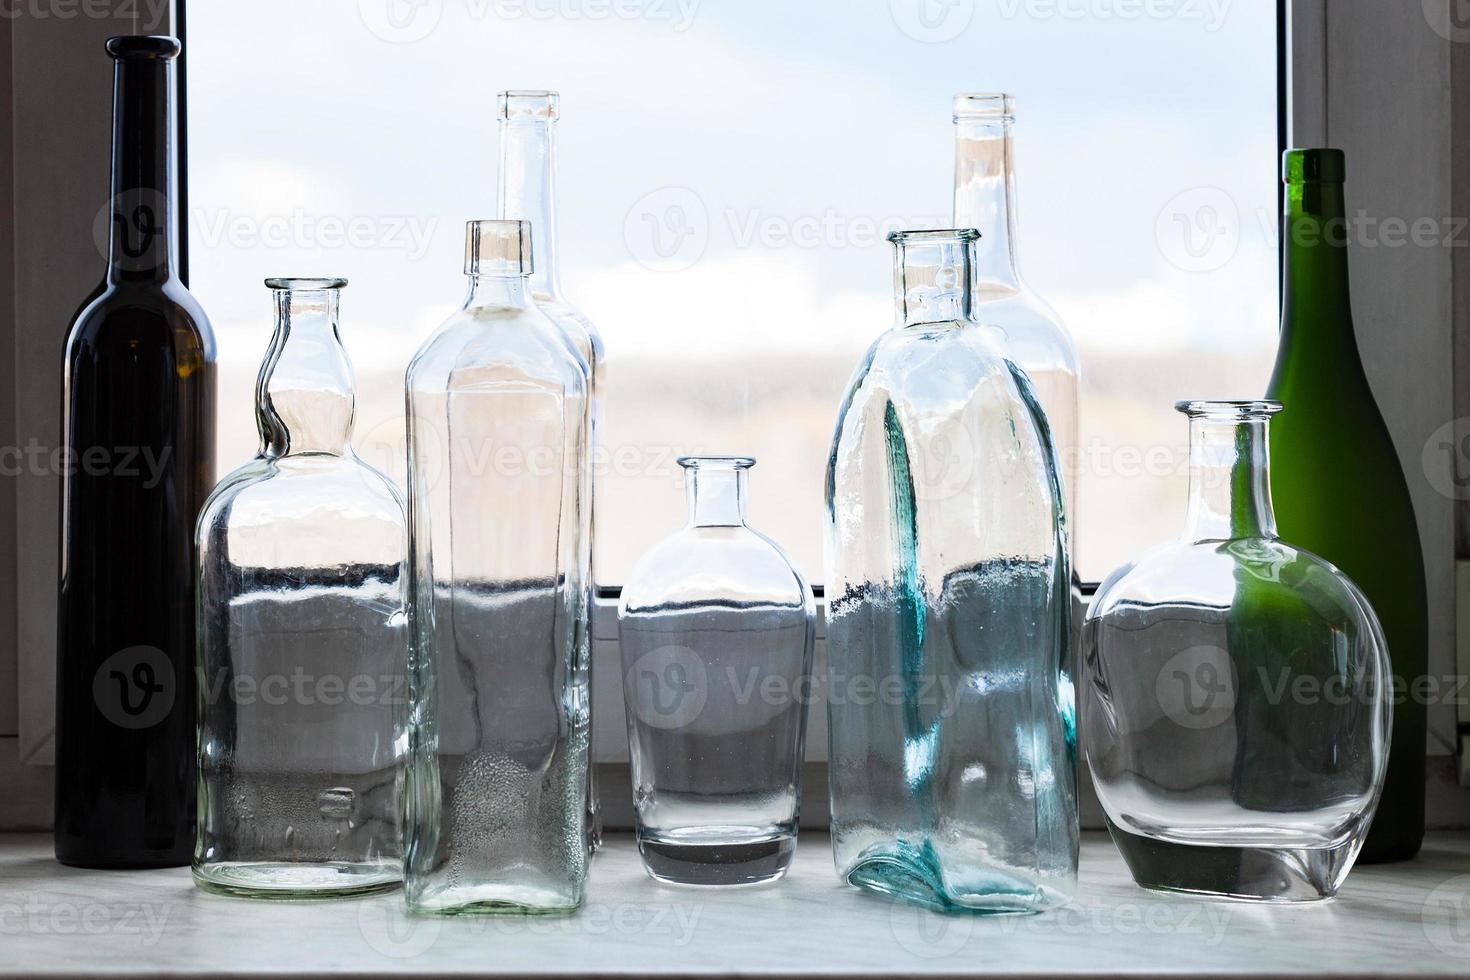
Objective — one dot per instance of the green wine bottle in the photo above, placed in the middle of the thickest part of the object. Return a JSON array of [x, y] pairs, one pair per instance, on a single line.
[[1336, 480]]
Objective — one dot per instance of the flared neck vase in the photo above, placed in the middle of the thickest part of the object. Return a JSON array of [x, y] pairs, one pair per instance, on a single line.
[[306, 392]]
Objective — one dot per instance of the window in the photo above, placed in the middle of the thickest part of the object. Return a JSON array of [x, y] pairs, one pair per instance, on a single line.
[[728, 171]]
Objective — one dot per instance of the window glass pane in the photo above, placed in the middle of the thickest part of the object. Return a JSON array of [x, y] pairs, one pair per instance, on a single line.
[[728, 170]]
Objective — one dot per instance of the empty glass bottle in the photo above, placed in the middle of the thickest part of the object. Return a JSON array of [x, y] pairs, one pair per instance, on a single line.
[[302, 638], [1035, 337], [1237, 691], [953, 780], [528, 121], [498, 419], [716, 629]]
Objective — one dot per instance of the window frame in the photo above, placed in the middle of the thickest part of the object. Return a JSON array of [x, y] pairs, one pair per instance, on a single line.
[[1324, 92]]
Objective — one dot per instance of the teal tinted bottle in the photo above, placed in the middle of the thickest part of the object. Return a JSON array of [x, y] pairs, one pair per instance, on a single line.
[[1337, 481]]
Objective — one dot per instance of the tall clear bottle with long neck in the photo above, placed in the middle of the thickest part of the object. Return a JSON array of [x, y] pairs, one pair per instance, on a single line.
[[1035, 337], [528, 121], [303, 641], [138, 426], [498, 419]]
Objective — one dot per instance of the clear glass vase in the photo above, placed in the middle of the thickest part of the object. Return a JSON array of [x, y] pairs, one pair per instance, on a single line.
[[953, 773], [302, 636], [717, 633], [1035, 337], [498, 420], [1237, 698], [528, 121]]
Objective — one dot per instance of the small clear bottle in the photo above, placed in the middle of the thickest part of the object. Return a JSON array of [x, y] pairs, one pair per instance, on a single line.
[[302, 636], [1238, 691], [716, 629], [950, 706], [528, 121], [1034, 335], [498, 428]]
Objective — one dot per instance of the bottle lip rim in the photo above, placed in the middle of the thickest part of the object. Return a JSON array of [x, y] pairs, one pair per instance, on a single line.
[[935, 236], [129, 46], [532, 104], [984, 105], [1229, 410], [716, 462], [300, 284], [1315, 165]]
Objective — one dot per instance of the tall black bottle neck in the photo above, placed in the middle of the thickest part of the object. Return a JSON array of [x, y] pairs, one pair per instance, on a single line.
[[144, 222]]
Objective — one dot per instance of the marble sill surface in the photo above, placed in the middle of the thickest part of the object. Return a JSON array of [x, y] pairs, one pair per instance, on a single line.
[[1394, 920]]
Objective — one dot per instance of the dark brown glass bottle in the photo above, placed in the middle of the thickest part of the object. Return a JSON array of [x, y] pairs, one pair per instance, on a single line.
[[138, 425]]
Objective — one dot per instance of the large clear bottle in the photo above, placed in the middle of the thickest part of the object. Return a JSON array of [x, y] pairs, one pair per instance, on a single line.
[[528, 121], [498, 429], [952, 754], [303, 640], [1035, 337]]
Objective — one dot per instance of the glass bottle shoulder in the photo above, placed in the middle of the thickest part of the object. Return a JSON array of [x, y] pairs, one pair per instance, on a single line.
[[1031, 330], [1265, 572], [940, 365], [120, 315], [482, 345], [725, 564], [579, 330]]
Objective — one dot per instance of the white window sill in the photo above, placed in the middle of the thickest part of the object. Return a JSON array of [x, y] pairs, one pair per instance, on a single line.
[[1393, 920]]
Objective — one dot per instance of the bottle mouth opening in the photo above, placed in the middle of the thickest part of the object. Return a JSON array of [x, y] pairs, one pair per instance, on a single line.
[[717, 462], [498, 248], [943, 236], [303, 285], [529, 104], [984, 105], [1323, 166], [130, 46], [1229, 411]]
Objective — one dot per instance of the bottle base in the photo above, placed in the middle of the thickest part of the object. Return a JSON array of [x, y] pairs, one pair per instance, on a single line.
[[716, 859], [287, 881], [489, 901], [910, 876], [1283, 875]]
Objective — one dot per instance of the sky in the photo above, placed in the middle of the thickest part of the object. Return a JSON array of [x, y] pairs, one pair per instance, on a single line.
[[728, 166]]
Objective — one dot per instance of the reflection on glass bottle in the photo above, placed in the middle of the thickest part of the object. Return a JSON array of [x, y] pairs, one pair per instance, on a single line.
[[1035, 337], [138, 430], [1237, 706], [717, 631], [303, 642], [498, 419], [953, 779], [528, 121], [1337, 471]]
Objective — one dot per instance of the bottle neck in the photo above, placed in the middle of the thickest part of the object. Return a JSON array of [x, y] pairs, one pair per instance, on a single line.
[[933, 281], [1229, 481], [1316, 302], [528, 192], [306, 390], [498, 291], [716, 496], [144, 227], [985, 198]]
